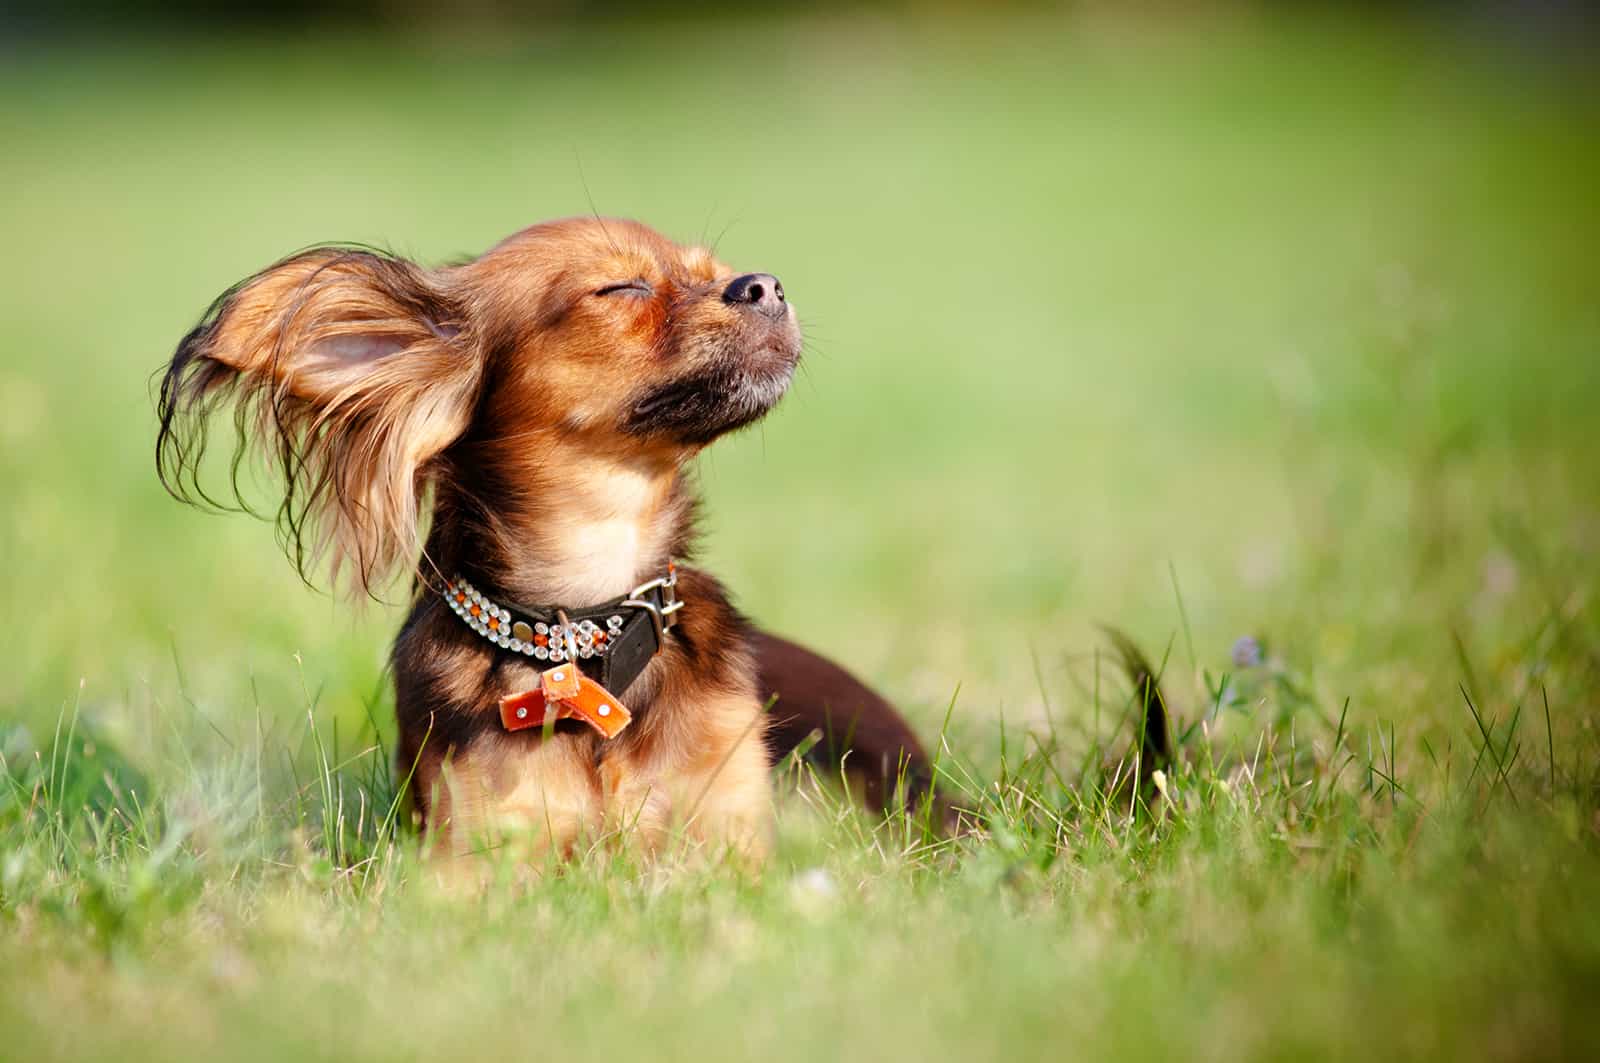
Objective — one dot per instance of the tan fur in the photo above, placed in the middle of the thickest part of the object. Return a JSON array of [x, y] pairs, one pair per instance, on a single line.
[[338, 362]]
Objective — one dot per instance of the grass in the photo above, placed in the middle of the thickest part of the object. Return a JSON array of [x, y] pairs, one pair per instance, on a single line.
[[1243, 327]]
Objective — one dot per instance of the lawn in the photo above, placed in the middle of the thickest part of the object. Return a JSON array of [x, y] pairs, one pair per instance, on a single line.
[[1213, 328]]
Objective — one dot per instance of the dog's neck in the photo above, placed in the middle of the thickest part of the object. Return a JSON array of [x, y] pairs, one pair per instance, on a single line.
[[566, 526]]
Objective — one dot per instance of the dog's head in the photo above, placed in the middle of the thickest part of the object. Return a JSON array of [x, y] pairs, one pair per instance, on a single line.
[[369, 376], [610, 328]]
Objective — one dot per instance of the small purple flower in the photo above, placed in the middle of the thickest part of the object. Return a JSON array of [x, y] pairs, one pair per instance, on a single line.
[[1247, 652]]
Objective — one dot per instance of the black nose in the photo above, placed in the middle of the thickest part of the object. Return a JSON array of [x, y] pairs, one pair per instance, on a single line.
[[758, 290]]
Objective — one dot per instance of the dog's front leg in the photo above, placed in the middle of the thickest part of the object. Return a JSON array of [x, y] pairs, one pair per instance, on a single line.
[[727, 786], [525, 797], [703, 784]]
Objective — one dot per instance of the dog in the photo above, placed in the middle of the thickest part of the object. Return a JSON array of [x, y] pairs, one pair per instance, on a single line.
[[563, 675]]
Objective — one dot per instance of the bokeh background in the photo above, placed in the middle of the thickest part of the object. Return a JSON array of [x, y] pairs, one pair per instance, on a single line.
[[1212, 322], [1290, 315]]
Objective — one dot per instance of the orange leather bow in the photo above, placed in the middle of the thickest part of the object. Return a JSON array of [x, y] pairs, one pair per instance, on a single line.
[[565, 694]]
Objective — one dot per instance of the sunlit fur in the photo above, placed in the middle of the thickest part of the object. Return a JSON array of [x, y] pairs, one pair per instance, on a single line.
[[548, 415], [353, 370]]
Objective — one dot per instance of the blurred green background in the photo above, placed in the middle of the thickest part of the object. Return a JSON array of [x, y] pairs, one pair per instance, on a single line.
[[1296, 313], [1206, 323]]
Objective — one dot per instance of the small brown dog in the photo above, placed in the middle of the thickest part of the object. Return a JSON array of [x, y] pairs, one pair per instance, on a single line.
[[559, 677]]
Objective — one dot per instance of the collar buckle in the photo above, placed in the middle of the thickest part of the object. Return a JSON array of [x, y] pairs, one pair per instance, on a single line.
[[664, 615]]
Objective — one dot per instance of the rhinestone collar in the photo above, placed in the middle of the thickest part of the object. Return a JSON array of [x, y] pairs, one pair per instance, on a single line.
[[615, 639], [539, 639]]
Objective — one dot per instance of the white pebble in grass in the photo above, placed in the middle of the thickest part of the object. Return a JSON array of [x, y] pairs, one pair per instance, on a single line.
[[813, 891]]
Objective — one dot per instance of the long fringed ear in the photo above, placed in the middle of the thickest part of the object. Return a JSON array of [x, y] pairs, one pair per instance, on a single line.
[[353, 370]]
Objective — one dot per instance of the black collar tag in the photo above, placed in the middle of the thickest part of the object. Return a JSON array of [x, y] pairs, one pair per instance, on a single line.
[[628, 653]]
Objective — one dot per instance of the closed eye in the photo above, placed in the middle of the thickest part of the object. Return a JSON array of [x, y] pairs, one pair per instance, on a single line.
[[637, 286]]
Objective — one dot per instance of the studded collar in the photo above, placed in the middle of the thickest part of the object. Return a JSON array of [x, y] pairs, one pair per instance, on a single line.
[[611, 642]]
